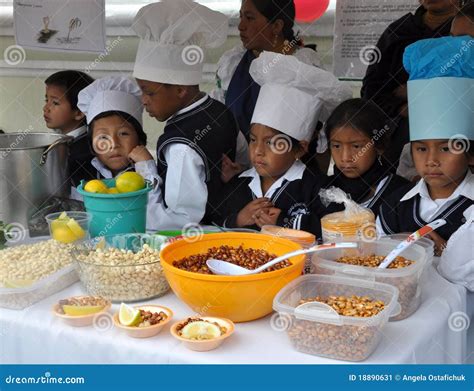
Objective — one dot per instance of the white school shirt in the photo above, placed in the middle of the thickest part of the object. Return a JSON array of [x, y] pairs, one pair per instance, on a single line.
[[186, 189], [76, 133], [294, 173], [457, 261], [430, 208]]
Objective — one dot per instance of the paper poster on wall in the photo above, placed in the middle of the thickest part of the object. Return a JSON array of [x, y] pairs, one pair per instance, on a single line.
[[63, 25], [358, 26]]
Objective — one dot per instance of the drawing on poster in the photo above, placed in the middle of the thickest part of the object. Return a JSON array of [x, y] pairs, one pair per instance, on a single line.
[[45, 33], [74, 24]]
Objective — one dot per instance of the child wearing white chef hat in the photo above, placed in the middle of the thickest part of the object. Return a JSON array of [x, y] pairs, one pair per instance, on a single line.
[[279, 189], [198, 130], [114, 112]]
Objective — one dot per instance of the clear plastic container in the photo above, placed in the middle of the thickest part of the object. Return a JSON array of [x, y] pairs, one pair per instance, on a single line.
[[63, 233], [20, 298], [317, 329], [303, 238], [406, 279]]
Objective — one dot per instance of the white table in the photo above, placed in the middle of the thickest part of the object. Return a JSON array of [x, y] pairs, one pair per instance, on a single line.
[[35, 336]]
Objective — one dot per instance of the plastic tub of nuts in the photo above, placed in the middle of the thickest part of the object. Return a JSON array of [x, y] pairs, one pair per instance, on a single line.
[[404, 273], [336, 317], [33, 270], [123, 267]]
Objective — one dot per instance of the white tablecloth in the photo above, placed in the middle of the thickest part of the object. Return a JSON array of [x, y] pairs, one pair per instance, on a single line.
[[35, 336]]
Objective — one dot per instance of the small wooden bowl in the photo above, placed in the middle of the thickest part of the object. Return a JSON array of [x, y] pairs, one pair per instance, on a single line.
[[149, 331], [79, 320], [208, 344]]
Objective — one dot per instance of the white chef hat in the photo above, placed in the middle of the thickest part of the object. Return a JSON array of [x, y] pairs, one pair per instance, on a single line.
[[111, 93], [294, 96], [172, 35]]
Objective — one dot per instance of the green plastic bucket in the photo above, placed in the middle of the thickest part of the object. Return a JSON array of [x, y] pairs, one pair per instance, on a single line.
[[116, 213]]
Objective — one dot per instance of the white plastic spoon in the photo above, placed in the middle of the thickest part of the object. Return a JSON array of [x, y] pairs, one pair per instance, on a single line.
[[229, 269], [410, 240]]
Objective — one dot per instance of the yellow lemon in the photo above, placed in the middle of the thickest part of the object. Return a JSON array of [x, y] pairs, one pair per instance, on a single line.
[[129, 182], [113, 190], [201, 330], [96, 186], [76, 310], [76, 229], [63, 234], [11, 283], [66, 230]]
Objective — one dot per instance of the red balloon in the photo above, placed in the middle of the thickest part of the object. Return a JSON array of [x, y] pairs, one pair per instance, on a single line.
[[310, 10]]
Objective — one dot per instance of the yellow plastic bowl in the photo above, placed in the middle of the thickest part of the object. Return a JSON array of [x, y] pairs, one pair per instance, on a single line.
[[238, 298]]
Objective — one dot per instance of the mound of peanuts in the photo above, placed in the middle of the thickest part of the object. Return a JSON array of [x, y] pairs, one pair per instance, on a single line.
[[406, 284], [374, 261], [361, 306], [344, 342], [151, 318], [248, 258]]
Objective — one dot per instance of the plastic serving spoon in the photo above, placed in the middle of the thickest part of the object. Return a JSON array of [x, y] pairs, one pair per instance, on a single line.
[[229, 269], [410, 240]]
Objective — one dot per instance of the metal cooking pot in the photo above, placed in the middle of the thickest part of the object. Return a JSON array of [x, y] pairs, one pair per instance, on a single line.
[[33, 168]]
